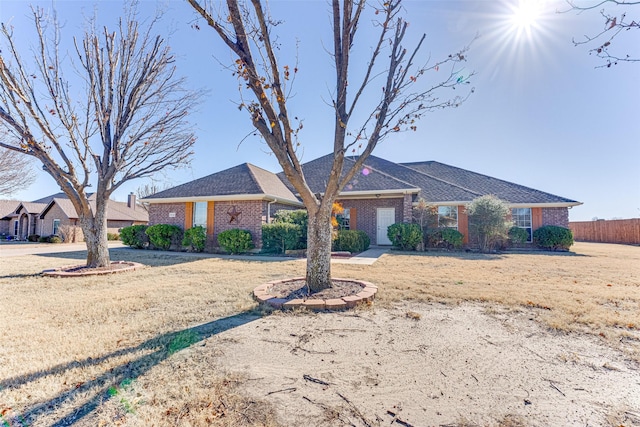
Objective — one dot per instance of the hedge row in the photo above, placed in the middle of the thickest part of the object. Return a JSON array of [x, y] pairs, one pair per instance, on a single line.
[[408, 237]]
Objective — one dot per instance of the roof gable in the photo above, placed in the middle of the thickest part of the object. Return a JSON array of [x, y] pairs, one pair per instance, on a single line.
[[244, 179], [30, 207], [8, 208], [116, 211]]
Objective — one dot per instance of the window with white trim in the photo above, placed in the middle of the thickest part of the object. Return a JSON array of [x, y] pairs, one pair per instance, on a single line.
[[448, 216], [200, 214], [56, 226], [522, 219], [344, 219]]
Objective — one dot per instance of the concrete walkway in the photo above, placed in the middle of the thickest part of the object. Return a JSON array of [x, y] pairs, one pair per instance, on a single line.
[[367, 257]]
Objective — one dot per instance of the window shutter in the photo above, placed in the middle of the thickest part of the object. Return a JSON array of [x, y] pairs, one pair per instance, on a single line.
[[188, 215], [353, 223], [210, 218], [536, 218]]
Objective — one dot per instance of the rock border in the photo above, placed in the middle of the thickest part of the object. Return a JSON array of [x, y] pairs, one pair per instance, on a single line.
[[367, 294], [63, 271]]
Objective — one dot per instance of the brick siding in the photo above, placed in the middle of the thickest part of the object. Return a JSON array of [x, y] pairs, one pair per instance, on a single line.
[[250, 219], [159, 213], [366, 213], [555, 216]]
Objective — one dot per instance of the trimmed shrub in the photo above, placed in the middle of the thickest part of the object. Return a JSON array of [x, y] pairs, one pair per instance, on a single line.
[[113, 236], [552, 237], [55, 239], [135, 236], [298, 217], [518, 235], [163, 236], [195, 239], [488, 221], [43, 239], [405, 236], [448, 238], [235, 241], [278, 237], [33, 237], [352, 241]]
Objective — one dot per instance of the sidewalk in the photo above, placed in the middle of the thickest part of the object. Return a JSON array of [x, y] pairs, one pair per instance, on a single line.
[[11, 249], [14, 249]]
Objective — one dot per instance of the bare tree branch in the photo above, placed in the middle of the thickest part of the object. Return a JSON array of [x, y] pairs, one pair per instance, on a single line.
[[246, 29], [16, 172], [614, 26], [128, 120]]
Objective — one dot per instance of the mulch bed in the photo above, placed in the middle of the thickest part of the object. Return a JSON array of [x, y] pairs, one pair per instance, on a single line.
[[298, 290]]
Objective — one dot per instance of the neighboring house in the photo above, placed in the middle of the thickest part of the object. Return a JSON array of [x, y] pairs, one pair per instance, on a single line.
[[382, 194], [7, 216], [55, 214]]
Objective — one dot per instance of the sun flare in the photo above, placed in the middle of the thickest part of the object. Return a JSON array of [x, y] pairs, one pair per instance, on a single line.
[[526, 15]]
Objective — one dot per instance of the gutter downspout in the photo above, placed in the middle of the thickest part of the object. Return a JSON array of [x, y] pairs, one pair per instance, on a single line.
[[269, 210]]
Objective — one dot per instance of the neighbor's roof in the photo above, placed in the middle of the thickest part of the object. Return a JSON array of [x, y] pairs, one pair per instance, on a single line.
[[60, 195], [30, 207], [8, 208], [242, 180], [116, 211], [483, 185]]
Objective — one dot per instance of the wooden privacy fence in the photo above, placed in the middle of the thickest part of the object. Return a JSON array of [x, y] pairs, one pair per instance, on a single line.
[[613, 231]]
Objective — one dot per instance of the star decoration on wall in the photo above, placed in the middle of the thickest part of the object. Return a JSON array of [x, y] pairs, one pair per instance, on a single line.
[[234, 214]]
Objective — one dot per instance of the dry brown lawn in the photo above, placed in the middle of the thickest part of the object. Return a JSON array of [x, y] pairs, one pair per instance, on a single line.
[[73, 347]]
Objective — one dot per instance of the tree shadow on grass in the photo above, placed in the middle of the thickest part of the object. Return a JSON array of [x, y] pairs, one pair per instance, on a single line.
[[154, 258], [104, 386], [483, 256]]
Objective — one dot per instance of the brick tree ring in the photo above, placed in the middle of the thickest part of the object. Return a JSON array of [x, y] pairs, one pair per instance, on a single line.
[[267, 294], [83, 271]]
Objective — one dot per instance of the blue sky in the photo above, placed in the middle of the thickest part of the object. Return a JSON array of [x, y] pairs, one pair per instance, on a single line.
[[542, 115]]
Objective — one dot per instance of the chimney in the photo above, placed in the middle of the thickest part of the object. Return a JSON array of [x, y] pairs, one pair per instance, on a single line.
[[131, 200]]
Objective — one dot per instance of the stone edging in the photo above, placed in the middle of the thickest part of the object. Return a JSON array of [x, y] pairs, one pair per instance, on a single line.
[[367, 294], [62, 271]]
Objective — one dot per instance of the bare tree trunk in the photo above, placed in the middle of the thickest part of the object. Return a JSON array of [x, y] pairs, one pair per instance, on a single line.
[[246, 28], [319, 250], [94, 227], [95, 236]]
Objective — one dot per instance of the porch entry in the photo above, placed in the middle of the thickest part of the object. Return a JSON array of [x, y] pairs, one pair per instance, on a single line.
[[384, 218]]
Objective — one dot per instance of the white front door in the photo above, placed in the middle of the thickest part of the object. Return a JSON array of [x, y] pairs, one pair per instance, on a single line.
[[384, 218]]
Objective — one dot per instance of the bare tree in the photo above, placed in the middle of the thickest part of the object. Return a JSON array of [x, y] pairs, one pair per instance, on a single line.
[[16, 172], [147, 190], [248, 31], [615, 24], [128, 120]]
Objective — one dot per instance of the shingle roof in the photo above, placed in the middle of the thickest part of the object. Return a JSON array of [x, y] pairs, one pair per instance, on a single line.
[[431, 188], [436, 181], [374, 179], [483, 184], [7, 208], [244, 179], [31, 207], [60, 195], [433, 181], [116, 211]]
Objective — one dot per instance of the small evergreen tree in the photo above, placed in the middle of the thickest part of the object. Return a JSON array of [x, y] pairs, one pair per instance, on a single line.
[[488, 221]]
